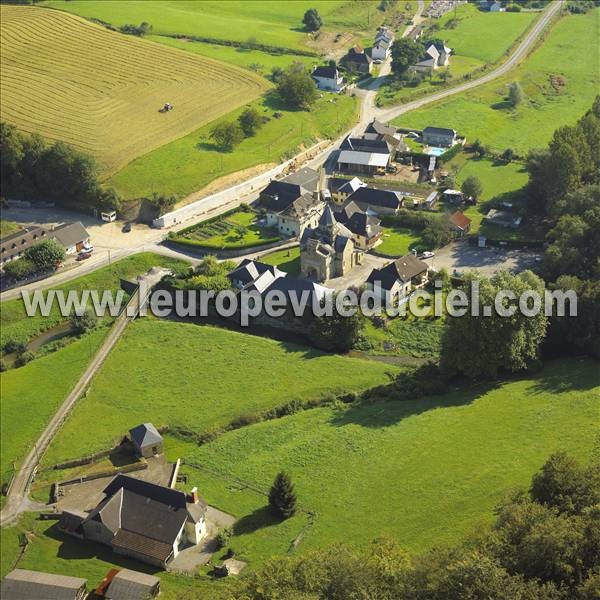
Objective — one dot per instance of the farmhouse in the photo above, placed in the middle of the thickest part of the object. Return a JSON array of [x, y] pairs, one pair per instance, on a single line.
[[146, 440], [394, 281], [290, 208], [328, 250], [364, 155], [342, 188], [460, 222], [377, 202], [439, 136], [22, 584], [357, 60], [328, 78], [383, 44], [436, 55], [366, 229], [253, 271], [145, 521], [132, 585]]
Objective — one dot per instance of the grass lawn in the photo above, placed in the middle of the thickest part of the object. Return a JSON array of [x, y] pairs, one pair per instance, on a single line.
[[270, 23], [15, 324], [397, 241], [255, 60], [193, 161], [482, 35], [287, 260], [206, 377], [427, 471], [8, 227], [236, 230], [37, 390], [484, 113]]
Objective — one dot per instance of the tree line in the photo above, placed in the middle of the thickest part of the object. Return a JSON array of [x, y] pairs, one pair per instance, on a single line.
[[33, 169]]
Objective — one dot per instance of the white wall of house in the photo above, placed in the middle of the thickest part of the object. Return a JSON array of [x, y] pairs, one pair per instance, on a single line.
[[380, 52], [195, 531], [326, 83]]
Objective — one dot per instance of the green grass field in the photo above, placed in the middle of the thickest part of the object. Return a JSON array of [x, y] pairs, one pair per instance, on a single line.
[[397, 241], [15, 324], [224, 375], [193, 161], [57, 80], [427, 471], [287, 260], [484, 113], [8, 227], [270, 23]]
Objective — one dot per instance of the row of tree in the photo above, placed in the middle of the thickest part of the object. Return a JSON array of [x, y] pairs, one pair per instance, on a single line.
[[31, 168], [543, 545]]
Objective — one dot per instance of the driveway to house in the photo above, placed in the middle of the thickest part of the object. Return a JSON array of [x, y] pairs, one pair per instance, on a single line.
[[461, 257]]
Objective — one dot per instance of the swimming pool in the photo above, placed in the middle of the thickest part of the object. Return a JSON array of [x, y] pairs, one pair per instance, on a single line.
[[434, 151]]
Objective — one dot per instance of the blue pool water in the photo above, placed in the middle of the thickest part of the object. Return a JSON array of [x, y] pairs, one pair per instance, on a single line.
[[433, 151]]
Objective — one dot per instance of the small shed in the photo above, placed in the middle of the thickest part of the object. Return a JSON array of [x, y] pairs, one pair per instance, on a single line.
[[133, 585], [22, 584], [146, 440]]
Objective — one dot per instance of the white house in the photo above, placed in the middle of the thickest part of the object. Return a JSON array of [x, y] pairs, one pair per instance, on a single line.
[[436, 55], [382, 47], [328, 78]]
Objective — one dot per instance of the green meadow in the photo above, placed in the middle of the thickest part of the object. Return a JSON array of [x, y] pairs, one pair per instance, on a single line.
[[221, 375], [271, 23], [191, 162], [559, 87], [287, 260], [428, 472]]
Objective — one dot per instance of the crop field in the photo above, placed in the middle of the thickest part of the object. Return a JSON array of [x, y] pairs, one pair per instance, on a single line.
[[271, 23], [559, 88], [208, 388], [192, 162], [69, 79], [427, 472]]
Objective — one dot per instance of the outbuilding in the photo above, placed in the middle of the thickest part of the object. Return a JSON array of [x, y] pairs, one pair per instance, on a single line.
[[146, 440]]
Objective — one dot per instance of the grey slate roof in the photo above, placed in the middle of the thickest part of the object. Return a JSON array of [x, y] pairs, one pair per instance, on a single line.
[[132, 585], [22, 584], [357, 221], [326, 72], [249, 270], [70, 234], [376, 198], [278, 195], [17, 242], [439, 131], [306, 177], [402, 269], [376, 126], [145, 435], [380, 146]]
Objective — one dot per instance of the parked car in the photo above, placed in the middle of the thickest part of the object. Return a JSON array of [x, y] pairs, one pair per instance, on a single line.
[[428, 254], [84, 255], [126, 228]]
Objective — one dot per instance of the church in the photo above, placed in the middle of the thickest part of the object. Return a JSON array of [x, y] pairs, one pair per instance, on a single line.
[[328, 251]]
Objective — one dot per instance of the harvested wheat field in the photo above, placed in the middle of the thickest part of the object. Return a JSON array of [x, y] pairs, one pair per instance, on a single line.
[[72, 80]]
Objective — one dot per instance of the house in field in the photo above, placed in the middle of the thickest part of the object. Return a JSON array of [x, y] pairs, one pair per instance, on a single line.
[[357, 60], [436, 55], [328, 79], [132, 585], [439, 136], [366, 229], [460, 222], [146, 440], [73, 237], [22, 584], [290, 208], [328, 250], [453, 196], [395, 281], [365, 155], [342, 188], [254, 272], [148, 522], [377, 202]]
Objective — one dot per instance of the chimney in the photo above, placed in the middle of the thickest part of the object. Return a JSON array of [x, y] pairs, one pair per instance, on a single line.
[[194, 495]]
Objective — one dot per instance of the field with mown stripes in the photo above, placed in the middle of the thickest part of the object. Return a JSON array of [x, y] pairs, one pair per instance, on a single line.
[[69, 79]]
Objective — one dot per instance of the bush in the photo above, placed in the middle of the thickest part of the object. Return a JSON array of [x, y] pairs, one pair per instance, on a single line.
[[20, 268], [227, 135], [84, 323], [14, 346], [223, 537], [24, 358], [141, 29], [250, 121], [46, 254]]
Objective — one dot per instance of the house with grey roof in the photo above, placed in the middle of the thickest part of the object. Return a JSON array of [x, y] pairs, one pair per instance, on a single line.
[[12, 246], [145, 521], [132, 585], [439, 136], [366, 229], [376, 202], [357, 60], [22, 584], [328, 79], [146, 440], [369, 155], [254, 272], [436, 55], [341, 188], [72, 236], [395, 281]]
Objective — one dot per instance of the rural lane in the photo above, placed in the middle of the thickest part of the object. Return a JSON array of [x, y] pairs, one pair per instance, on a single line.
[[514, 59]]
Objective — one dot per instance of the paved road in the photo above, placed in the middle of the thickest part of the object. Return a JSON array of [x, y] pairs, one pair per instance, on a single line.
[[387, 114], [17, 501]]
